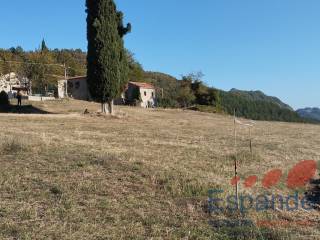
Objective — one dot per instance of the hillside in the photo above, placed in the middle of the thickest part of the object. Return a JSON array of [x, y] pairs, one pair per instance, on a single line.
[[309, 113], [249, 104], [144, 174], [258, 106], [166, 84], [260, 96]]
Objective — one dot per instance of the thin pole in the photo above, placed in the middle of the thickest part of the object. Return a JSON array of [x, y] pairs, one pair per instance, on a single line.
[[235, 158], [10, 76], [65, 77], [250, 143]]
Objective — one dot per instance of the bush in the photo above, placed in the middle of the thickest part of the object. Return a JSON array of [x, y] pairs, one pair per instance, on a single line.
[[13, 146], [167, 103], [4, 99], [206, 108]]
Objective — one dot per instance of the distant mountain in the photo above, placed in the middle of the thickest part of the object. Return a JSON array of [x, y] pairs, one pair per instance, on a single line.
[[310, 113], [260, 96]]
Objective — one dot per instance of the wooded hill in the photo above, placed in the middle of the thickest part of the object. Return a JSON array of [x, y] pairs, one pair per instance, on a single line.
[[248, 104], [43, 66]]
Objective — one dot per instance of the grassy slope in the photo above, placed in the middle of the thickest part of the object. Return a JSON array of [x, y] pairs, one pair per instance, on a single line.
[[144, 174]]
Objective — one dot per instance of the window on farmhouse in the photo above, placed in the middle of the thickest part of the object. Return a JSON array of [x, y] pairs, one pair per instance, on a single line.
[[70, 84], [77, 85], [145, 93]]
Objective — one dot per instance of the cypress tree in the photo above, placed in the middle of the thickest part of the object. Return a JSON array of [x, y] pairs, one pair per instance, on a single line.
[[107, 68], [44, 47]]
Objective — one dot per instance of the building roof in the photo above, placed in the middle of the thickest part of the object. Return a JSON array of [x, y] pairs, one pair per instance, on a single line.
[[19, 88], [78, 78], [74, 78], [142, 85]]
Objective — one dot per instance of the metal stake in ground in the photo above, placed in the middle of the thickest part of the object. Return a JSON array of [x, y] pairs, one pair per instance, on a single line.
[[235, 159], [250, 136]]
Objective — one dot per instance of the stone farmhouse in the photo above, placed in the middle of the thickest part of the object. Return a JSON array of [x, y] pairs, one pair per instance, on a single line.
[[74, 87], [136, 93], [142, 93]]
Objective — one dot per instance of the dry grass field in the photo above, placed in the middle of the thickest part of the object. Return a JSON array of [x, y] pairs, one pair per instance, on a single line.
[[144, 174]]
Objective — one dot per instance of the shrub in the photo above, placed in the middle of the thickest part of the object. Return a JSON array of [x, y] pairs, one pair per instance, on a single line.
[[55, 191], [13, 146], [206, 108], [4, 99], [167, 103]]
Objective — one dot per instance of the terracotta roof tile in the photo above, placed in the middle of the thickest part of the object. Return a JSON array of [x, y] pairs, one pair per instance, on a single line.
[[142, 85], [78, 78]]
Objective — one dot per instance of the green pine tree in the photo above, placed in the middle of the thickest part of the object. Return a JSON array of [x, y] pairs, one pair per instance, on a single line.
[[107, 69]]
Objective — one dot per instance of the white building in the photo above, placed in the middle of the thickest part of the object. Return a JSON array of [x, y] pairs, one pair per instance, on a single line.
[[74, 87], [143, 93]]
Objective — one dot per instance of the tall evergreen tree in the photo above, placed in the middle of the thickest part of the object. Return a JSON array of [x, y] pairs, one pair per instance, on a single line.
[[44, 47], [107, 70]]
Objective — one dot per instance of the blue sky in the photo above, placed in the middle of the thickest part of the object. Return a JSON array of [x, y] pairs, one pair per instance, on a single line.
[[270, 45]]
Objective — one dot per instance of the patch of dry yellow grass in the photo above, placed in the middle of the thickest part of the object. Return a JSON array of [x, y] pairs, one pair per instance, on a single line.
[[143, 175]]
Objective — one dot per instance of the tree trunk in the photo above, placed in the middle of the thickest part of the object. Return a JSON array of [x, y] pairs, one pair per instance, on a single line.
[[30, 88], [107, 108], [103, 108], [110, 107]]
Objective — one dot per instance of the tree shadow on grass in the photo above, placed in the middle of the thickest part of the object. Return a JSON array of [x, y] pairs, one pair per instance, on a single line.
[[313, 194], [24, 109]]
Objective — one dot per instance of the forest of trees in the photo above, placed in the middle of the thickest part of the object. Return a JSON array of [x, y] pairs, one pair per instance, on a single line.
[[187, 92], [256, 109], [43, 67]]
